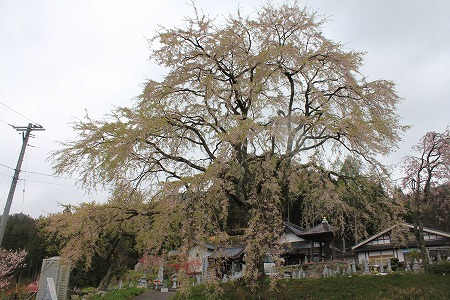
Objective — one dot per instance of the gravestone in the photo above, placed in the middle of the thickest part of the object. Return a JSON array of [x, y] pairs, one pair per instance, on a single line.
[[174, 281], [349, 269], [366, 267], [294, 274], [408, 268], [415, 266], [353, 266], [325, 272], [344, 271], [164, 288], [160, 277]]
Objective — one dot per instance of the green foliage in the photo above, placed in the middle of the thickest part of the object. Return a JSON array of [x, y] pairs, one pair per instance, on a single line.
[[396, 286], [88, 290], [355, 201], [413, 254], [396, 265], [436, 214], [21, 234], [82, 277], [103, 236], [122, 294], [442, 267], [394, 260]]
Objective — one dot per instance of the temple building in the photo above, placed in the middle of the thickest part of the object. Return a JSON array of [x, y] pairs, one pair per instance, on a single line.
[[399, 242]]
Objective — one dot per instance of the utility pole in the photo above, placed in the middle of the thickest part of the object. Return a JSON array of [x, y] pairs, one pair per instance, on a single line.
[[25, 138]]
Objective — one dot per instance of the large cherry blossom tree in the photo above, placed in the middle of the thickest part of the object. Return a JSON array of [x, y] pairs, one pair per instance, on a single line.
[[249, 106]]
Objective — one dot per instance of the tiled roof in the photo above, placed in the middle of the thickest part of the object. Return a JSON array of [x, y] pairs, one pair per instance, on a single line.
[[232, 252], [294, 228], [323, 230]]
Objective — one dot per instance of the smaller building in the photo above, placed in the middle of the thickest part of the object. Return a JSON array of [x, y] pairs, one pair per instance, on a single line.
[[399, 242], [323, 235], [228, 262], [198, 258], [297, 250]]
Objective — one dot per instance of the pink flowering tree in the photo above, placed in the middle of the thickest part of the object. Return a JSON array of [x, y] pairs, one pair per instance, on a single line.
[[9, 261], [249, 106], [425, 172]]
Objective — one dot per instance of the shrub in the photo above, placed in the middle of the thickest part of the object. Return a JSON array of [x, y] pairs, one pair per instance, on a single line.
[[394, 260], [401, 265], [442, 267], [122, 294]]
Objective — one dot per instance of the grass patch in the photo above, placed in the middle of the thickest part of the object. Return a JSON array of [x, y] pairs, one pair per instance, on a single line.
[[394, 286], [122, 294]]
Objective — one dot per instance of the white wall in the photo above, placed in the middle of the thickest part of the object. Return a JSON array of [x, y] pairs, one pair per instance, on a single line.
[[397, 253], [290, 238]]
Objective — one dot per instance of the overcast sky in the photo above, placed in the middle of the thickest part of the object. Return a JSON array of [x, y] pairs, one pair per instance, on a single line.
[[59, 58]]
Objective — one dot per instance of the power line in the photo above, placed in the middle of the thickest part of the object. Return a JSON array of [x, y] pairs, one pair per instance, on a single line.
[[51, 183], [6, 166], [38, 173], [18, 113], [5, 122], [48, 175]]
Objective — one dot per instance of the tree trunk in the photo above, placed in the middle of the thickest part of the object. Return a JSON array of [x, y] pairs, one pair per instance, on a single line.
[[418, 230], [104, 283]]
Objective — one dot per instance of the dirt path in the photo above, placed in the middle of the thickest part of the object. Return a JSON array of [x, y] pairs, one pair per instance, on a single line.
[[154, 295]]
